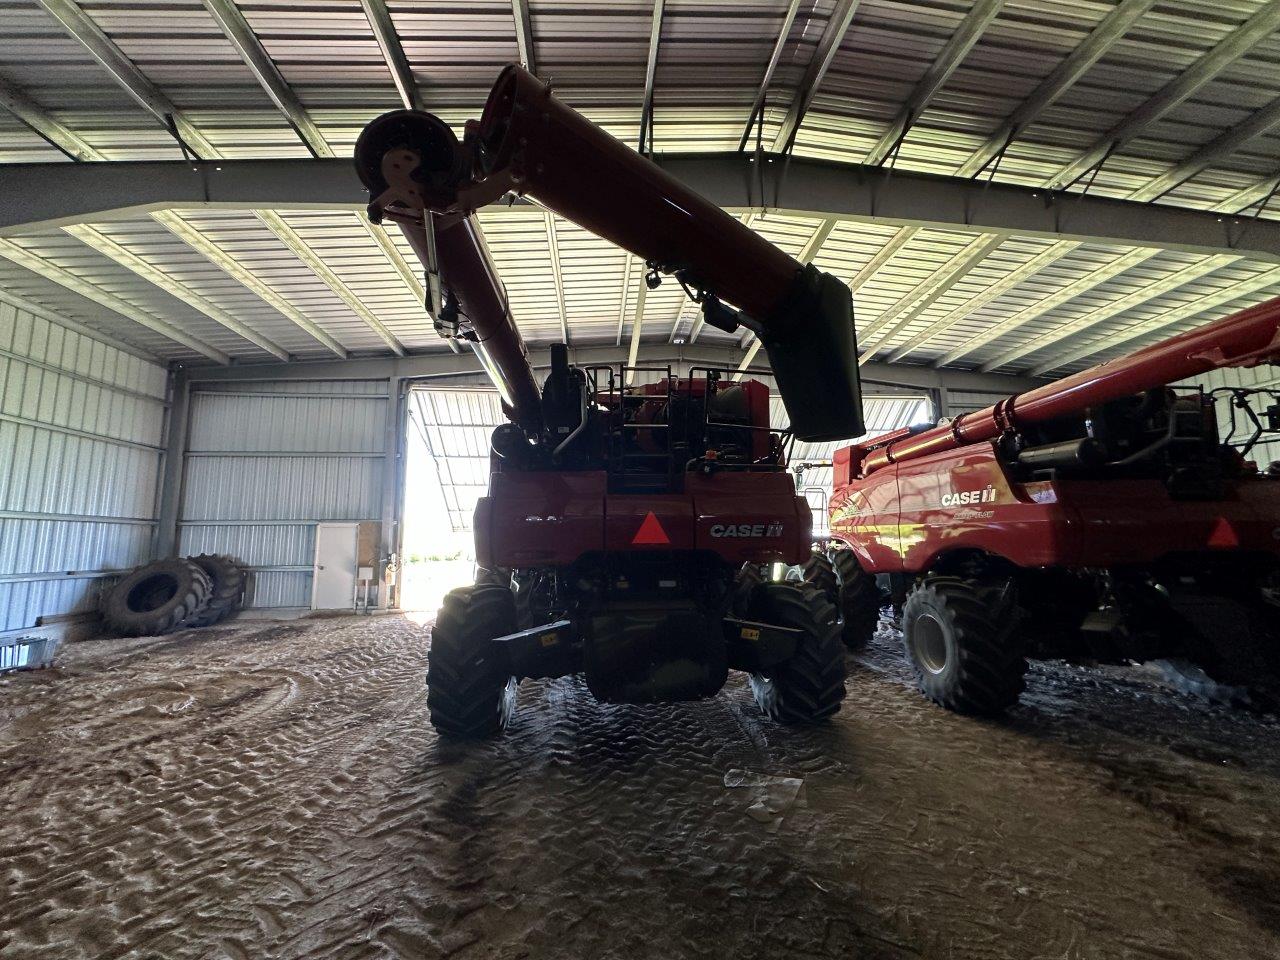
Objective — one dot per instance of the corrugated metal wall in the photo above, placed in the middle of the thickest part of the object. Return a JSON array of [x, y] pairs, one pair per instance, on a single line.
[[266, 461], [967, 401], [81, 432]]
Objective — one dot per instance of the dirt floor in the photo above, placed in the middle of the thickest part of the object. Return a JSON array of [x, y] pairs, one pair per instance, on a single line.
[[274, 790]]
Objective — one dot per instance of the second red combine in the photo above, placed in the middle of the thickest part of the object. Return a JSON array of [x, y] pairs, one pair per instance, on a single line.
[[1103, 517], [628, 527]]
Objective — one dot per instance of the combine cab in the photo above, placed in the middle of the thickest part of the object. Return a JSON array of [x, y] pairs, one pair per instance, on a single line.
[[1102, 517]]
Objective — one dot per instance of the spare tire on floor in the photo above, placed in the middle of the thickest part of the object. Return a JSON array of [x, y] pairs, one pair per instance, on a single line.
[[156, 598], [228, 581]]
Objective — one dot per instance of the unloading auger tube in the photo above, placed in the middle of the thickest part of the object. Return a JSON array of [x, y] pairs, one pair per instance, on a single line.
[[527, 142], [1244, 339]]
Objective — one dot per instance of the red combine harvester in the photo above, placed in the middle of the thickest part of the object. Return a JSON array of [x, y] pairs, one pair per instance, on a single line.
[[1099, 517], [626, 526]]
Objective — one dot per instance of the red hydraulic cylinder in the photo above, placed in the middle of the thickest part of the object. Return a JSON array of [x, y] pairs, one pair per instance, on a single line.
[[469, 273], [540, 147], [1244, 339]]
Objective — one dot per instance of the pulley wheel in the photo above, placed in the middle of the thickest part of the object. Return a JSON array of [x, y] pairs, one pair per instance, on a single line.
[[441, 162]]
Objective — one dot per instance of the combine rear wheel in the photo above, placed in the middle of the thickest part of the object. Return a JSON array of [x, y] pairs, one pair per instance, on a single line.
[[858, 599], [535, 595], [744, 589], [963, 642], [817, 572], [467, 694], [495, 575], [807, 688]]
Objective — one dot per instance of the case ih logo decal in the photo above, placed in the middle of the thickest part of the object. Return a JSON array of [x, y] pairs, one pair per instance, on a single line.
[[985, 495], [746, 530]]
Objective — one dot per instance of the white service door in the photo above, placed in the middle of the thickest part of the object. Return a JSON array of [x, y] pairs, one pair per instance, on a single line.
[[334, 576]]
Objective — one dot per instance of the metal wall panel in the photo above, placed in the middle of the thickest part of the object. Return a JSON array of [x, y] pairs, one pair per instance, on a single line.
[[310, 423], [81, 432], [967, 401], [268, 460]]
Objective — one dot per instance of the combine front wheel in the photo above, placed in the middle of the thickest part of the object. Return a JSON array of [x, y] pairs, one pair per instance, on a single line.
[[962, 641], [809, 687], [467, 694], [859, 599]]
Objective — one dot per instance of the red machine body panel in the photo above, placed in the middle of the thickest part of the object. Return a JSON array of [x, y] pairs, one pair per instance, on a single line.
[[906, 516], [540, 519], [751, 517], [628, 527], [1132, 522], [552, 518]]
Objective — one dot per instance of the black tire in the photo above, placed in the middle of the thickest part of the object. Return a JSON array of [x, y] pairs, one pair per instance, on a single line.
[[858, 600], [227, 579], [963, 641], [809, 687], [817, 572], [534, 598], [155, 599], [744, 586], [493, 575], [467, 694]]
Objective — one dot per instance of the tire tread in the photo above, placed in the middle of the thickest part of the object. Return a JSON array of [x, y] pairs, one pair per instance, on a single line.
[[466, 696], [227, 579], [991, 666], [859, 600], [809, 687]]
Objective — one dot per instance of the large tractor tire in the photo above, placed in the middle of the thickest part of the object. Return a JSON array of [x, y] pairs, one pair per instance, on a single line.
[[964, 644], [818, 573], [858, 599], [468, 696], [156, 599], [744, 588], [809, 687], [493, 575], [534, 593], [228, 580]]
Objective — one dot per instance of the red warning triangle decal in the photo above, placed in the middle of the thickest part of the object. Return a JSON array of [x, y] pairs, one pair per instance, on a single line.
[[650, 532]]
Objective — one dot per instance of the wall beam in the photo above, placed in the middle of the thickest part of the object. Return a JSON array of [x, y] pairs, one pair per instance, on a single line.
[[444, 366]]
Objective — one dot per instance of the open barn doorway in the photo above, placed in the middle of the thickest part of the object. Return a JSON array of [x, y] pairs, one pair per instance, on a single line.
[[446, 472]]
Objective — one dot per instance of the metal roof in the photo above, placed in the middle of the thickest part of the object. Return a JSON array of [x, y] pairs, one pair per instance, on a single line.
[[1173, 100]]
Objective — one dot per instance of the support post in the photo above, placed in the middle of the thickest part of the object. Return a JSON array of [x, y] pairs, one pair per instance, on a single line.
[[172, 474], [392, 488]]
